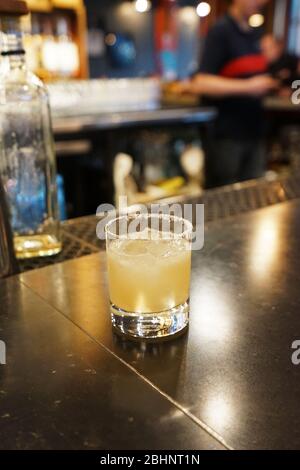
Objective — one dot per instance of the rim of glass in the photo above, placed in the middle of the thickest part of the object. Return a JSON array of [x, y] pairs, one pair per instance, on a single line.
[[174, 218]]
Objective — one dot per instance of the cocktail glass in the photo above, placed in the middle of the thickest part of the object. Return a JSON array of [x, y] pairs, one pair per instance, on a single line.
[[149, 268]]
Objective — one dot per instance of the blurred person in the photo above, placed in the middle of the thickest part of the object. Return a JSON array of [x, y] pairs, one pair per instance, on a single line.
[[233, 77], [281, 65]]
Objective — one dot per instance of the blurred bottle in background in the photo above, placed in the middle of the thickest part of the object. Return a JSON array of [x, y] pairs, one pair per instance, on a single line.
[[51, 51], [49, 58], [67, 49]]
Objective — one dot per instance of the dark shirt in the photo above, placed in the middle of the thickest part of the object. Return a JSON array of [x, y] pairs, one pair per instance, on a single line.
[[285, 69], [232, 52]]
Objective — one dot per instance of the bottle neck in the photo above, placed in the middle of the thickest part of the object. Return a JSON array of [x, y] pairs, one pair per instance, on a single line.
[[11, 43]]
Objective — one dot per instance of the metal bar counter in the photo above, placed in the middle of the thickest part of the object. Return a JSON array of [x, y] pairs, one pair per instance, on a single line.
[[120, 120], [79, 235], [278, 104], [69, 382]]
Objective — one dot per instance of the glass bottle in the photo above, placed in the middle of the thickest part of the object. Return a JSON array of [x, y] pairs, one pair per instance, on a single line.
[[27, 160], [8, 265]]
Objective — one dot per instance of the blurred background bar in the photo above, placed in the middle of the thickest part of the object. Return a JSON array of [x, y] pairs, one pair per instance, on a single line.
[[130, 38], [120, 126]]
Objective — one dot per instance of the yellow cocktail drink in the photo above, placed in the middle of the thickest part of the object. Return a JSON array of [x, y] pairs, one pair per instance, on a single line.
[[149, 276], [149, 273]]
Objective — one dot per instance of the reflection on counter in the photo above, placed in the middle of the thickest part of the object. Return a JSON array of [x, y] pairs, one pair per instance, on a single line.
[[214, 317], [265, 248], [219, 412]]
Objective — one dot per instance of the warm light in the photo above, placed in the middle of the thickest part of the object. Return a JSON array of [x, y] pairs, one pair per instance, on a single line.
[[110, 39], [256, 20], [142, 6], [126, 9], [203, 9], [188, 15]]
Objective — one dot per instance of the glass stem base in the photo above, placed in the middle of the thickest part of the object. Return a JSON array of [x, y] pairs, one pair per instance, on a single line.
[[150, 325]]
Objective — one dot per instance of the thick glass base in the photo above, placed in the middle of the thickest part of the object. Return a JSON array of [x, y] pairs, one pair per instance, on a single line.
[[36, 246], [150, 325]]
